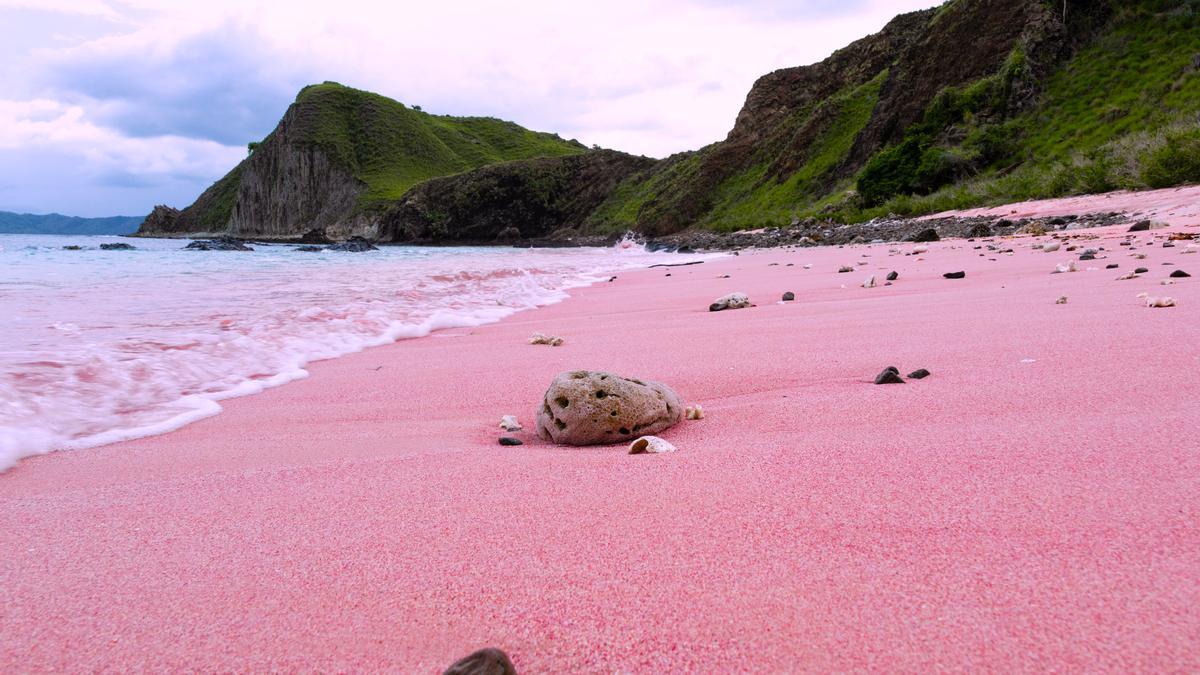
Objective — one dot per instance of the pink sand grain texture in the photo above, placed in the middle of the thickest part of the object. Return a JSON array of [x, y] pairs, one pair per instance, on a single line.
[[1031, 506]]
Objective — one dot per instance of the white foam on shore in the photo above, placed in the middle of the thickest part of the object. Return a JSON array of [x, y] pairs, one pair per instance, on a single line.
[[95, 365]]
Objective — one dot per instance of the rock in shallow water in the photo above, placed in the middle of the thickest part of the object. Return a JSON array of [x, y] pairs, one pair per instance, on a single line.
[[596, 408], [354, 245], [488, 661], [117, 247], [222, 244]]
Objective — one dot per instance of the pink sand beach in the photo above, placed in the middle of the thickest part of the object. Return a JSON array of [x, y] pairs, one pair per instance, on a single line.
[[1033, 505]]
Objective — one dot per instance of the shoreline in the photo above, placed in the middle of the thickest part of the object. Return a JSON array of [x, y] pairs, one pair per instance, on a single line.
[[1032, 504]]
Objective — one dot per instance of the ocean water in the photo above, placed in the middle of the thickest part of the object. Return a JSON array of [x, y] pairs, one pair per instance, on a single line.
[[101, 346]]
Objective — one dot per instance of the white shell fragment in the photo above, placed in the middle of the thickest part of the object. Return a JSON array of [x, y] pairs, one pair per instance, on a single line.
[[540, 339], [921, 249], [650, 445], [1066, 267], [870, 282], [510, 423], [1051, 247], [1157, 302], [1127, 276], [693, 412]]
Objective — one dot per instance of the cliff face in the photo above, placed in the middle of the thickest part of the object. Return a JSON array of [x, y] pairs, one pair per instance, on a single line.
[[513, 200], [339, 159]]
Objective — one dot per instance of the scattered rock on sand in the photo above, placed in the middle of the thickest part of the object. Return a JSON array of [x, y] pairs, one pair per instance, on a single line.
[[920, 249], [925, 236], [955, 275], [731, 301], [510, 423], [488, 661], [918, 374], [650, 445], [1157, 302], [890, 375], [1127, 276], [694, 412], [596, 408], [869, 282], [1051, 247], [541, 339], [509, 440], [1140, 226], [1180, 274], [1111, 266], [893, 275], [1062, 300], [789, 296], [845, 268], [1141, 270], [1065, 267]]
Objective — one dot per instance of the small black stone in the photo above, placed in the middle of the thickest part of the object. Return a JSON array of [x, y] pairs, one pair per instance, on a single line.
[[925, 236], [1141, 270], [893, 275], [955, 275], [1180, 274], [890, 375], [1140, 226], [716, 307], [1112, 266], [918, 374], [508, 440], [789, 296], [1087, 256], [1167, 244]]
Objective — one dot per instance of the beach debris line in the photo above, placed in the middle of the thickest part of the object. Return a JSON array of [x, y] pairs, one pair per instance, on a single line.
[[541, 339], [510, 423], [694, 412], [650, 445], [584, 407], [730, 301], [489, 661]]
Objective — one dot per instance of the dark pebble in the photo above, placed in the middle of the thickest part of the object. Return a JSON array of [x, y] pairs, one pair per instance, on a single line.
[[1087, 256], [892, 276], [789, 296], [1180, 274], [918, 374], [1141, 270], [955, 275], [1167, 244], [1112, 266], [1140, 226], [890, 375], [508, 440], [488, 661]]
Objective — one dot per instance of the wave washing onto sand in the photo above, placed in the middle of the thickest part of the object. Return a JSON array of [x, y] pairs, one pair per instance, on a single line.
[[105, 346]]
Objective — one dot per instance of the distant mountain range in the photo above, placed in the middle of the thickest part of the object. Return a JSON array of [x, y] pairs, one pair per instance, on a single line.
[[56, 223], [974, 102]]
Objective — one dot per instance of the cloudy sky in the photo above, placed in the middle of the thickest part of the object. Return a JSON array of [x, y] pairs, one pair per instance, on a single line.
[[112, 106]]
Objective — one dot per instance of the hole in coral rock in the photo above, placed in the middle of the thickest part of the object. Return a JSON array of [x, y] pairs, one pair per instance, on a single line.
[[612, 414], [562, 426], [624, 431], [601, 394], [562, 402], [639, 446]]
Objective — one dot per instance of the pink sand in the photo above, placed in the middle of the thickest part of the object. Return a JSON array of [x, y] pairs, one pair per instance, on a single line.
[[1034, 505]]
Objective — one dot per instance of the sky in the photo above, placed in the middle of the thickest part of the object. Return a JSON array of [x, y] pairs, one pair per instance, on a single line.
[[113, 106]]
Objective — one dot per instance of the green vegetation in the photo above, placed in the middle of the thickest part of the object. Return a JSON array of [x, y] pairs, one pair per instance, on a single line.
[[391, 147], [216, 204], [1122, 114]]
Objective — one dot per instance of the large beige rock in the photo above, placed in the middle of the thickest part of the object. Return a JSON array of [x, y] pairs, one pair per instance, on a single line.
[[594, 408]]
